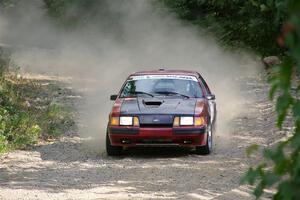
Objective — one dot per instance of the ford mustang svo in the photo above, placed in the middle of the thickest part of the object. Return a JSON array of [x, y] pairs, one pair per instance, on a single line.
[[162, 108]]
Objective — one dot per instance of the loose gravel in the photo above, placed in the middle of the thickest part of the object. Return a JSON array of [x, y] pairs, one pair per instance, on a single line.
[[68, 169]]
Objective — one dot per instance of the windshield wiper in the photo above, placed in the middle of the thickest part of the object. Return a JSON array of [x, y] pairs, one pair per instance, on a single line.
[[173, 93], [141, 92]]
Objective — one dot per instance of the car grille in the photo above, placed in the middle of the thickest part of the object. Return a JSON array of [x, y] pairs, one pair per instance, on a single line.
[[156, 125], [156, 120]]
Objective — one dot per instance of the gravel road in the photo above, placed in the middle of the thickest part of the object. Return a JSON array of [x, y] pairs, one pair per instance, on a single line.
[[68, 169]]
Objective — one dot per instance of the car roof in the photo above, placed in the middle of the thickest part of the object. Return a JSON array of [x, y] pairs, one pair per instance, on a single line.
[[166, 72]]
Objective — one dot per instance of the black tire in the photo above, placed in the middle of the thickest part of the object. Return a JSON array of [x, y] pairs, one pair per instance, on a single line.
[[112, 150], [207, 149]]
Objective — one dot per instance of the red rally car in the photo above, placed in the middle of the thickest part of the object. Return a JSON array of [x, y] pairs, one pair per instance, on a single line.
[[162, 108]]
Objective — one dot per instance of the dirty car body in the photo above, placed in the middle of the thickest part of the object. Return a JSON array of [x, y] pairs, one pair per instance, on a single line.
[[162, 108]]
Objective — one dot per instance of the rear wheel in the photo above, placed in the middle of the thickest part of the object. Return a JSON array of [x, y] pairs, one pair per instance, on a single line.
[[207, 149], [112, 150]]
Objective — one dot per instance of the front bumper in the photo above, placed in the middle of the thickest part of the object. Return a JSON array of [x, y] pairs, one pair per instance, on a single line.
[[179, 136]]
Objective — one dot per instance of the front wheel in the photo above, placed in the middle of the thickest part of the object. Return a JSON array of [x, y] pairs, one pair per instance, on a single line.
[[207, 149], [112, 150]]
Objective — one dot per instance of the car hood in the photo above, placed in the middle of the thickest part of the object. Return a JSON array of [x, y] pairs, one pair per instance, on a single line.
[[173, 106]]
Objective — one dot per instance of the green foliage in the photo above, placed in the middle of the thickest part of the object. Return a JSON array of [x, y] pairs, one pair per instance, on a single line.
[[251, 24], [29, 111], [18, 128], [3, 143], [282, 166], [57, 119]]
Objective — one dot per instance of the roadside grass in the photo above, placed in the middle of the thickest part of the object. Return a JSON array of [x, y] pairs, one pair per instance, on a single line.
[[31, 110]]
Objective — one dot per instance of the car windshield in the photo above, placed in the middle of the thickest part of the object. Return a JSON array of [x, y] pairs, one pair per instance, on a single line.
[[158, 85]]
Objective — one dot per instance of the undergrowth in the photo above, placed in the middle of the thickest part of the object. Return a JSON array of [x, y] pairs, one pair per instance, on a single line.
[[30, 110]]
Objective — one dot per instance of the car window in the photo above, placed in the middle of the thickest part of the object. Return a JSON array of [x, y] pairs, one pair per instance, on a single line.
[[162, 86]]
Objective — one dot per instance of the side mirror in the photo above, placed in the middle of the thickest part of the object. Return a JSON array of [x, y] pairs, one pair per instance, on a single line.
[[211, 97], [113, 97]]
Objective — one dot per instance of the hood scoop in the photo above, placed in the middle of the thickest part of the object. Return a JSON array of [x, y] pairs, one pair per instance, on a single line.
[[152, 103], [157, 106]]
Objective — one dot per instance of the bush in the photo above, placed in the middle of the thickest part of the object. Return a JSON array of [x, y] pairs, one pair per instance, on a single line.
[[18, 128], [29, 111]]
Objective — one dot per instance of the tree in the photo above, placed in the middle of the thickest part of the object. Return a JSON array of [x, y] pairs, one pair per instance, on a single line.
[[251, 24]]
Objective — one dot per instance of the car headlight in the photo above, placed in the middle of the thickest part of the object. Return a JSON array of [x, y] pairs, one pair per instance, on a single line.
[[124, 121], [188, 121]]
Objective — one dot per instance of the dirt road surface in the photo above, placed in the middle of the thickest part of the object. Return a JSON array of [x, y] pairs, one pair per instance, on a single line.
[[68, 169]]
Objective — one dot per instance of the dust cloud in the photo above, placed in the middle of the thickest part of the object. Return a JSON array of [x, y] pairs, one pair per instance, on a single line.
[[99, 58]]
